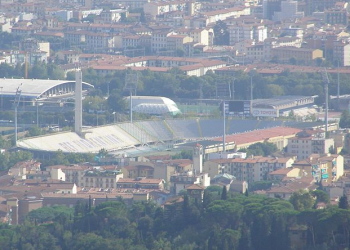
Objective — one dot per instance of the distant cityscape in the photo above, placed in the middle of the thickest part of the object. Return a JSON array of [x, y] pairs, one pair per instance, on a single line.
[[189, 109]]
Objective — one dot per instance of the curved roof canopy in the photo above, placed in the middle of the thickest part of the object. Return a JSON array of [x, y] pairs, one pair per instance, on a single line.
[[155, 105], [32, 88]]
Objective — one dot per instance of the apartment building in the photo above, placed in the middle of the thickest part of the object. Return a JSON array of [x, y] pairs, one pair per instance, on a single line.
[[255, 52], [159, 40], [336, 16], [139, 170], [99, 41], [223, 14], [341, 53], [202, 36], [326, 167], [158, 8], [111, 16], [132, 4], [101, 179], [301, 55], [243, 32], [175, 42], [307, 142], [289, 10], [68, 56], [251, 169], [73, 174], [75, 37], [270, 7]]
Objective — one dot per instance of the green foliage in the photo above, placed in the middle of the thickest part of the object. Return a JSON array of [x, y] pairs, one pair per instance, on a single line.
[[7, 40], [345, 119], [343, 202], [184, 154], [45, 71], [224, 193], [321, 196], [264, 149], [9, 159], [239, 223], [116, 102], [48, 214], [302, 200], [260, 185], [221, 34], [59, 158], [34, 131]]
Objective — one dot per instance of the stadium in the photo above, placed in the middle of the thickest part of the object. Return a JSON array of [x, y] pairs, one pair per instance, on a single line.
[[127, 138], [142, 137]]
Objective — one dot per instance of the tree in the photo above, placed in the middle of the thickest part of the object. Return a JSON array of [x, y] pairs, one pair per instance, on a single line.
[[302, 200], [263, 149], [184, 154], [343, 202], [260, 185], [224, 193], [321, 196], [34, 131], [345, 119], [116, 102], [221, 34]]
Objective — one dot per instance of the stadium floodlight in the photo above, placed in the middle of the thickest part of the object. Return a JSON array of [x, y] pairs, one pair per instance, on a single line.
[[131, 80], [17, 100]]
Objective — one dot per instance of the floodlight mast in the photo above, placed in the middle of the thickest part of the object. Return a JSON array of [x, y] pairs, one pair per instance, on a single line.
[[224, 122], [131, 81], [326, 83], [17, 100]]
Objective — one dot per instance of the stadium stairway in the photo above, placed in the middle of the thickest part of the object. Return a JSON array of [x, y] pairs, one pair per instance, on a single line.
[[257, 124], [169, 128]]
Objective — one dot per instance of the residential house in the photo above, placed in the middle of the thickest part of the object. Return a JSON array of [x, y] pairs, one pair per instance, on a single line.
[[180, 181], [286, 189]]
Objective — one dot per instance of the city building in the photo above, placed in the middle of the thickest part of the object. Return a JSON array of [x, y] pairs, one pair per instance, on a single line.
[[101, 179], [289, 10], [309, 142], [325, 168], [341, 53], [255, 168], [140, 183], [299, 55], [270, 7]]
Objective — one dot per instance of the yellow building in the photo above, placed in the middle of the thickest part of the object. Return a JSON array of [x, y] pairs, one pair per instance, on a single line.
[[305, 55]]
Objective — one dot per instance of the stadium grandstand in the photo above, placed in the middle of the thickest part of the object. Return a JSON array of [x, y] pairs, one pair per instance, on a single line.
[[143, 136], [32, 90]]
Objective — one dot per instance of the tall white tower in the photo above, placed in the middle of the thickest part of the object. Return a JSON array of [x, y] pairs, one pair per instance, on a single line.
[[78, 102], [198, 159]]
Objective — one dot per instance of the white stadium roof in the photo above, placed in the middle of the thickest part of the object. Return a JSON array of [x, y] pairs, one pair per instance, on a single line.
[[108, 137], [155, 105], [32, 88]]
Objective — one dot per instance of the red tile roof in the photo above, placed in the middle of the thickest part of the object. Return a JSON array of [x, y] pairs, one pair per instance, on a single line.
[[259, 135]]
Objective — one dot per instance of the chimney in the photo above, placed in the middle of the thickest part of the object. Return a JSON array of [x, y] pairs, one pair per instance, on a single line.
[[78, 102]]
